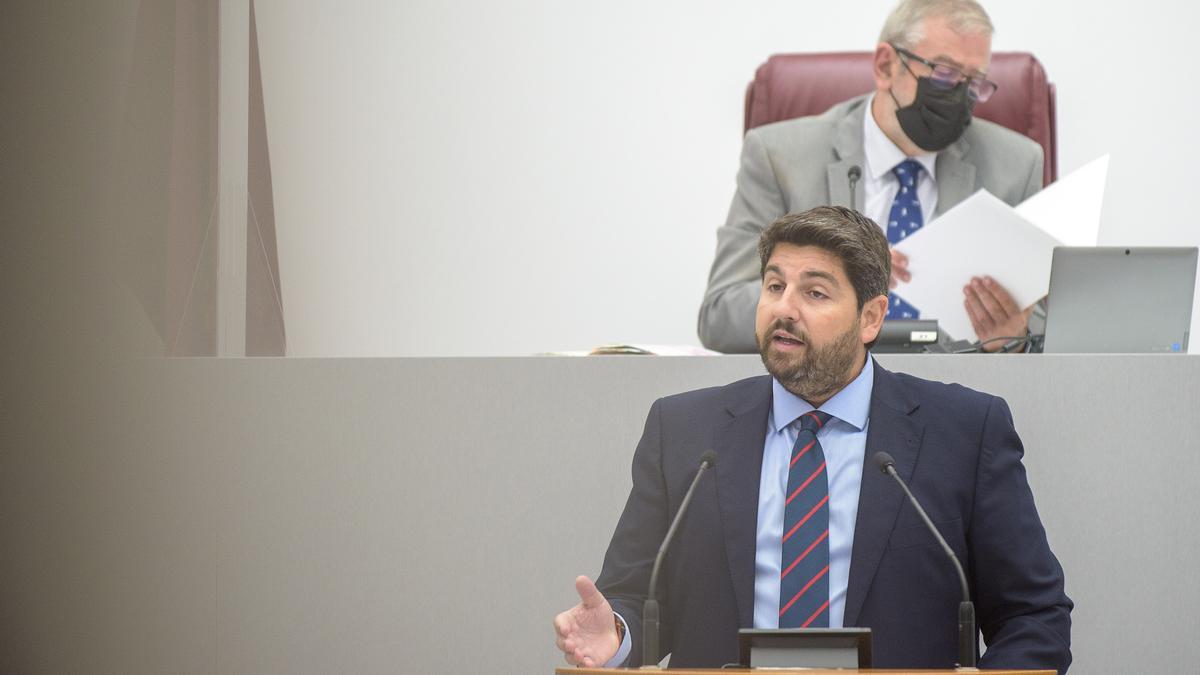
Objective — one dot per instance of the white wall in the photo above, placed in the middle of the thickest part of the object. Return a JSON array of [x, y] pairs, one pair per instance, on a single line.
[[493, 178]]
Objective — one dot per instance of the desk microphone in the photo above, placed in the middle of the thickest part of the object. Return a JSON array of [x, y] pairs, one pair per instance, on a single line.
[[853, 175], [966, 609], [650, 610]]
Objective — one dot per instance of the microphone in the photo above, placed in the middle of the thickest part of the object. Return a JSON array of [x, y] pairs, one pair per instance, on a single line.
[[853, 175], [966, 609], [650, 610]]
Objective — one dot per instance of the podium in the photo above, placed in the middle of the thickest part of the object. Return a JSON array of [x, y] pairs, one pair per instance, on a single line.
[[786, 671]]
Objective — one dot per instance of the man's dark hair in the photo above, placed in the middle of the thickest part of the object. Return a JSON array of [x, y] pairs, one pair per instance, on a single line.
[[849, 235]]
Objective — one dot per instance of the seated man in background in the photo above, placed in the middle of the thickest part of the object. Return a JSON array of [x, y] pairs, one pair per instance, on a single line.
[[920, 153], [796, 526]]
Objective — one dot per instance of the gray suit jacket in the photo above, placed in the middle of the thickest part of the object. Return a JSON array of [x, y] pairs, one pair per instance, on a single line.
[[793, 166]]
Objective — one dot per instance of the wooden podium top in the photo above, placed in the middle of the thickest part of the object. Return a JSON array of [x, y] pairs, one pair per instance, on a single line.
[[786, 671], [790, 671]]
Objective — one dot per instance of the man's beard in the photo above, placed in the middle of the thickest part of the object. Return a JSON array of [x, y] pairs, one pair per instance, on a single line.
[[820, 371]]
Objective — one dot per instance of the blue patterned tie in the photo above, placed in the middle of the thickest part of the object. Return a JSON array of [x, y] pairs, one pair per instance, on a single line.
[[804, 568], [904, 219]]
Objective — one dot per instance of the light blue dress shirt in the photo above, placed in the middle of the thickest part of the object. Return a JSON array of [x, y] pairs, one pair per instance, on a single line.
[[844, 442]]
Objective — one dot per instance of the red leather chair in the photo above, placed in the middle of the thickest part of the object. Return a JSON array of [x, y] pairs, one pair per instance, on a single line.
[[797, 85]]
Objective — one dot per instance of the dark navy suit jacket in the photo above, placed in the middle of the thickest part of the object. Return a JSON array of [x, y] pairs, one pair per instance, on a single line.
[[960, 454]]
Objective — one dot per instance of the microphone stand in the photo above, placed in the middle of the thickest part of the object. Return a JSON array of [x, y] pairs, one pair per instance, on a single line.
[[966, 608], [650, 611]]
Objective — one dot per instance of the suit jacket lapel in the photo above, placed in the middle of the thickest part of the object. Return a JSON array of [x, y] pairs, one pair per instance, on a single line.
[[894, 430], [955, 176], [739, 447], [848, 146]]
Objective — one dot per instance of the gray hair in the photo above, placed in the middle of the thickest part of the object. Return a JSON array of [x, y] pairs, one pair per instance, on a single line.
[[905, 25]]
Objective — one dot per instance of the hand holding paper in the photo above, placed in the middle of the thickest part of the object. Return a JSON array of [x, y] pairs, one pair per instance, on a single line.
[[984, 237], [995, 316]]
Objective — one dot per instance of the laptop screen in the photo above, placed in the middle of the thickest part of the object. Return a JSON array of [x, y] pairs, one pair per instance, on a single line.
[[1120, 300]]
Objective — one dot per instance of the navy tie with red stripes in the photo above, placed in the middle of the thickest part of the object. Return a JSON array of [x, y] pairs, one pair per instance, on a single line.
[[804, 569]]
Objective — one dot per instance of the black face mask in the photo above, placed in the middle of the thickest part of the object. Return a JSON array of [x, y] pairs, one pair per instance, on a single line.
[[937, 117]]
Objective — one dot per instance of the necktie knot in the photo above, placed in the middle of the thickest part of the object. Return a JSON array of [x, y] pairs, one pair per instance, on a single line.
[[907, 172], [813, 420]]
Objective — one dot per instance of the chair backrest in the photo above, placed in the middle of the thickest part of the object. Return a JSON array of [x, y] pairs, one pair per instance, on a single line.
[[797, 85]]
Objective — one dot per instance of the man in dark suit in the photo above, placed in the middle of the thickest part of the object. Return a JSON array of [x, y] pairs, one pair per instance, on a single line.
[[797, 528]]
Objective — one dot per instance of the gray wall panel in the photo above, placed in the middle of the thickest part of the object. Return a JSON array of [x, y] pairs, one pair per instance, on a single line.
[[421, 515]]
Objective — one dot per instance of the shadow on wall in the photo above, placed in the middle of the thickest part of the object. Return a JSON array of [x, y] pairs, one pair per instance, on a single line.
[[166, 192]]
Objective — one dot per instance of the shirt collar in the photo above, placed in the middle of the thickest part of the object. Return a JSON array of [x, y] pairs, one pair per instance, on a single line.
[[881, 153], [851, 405]]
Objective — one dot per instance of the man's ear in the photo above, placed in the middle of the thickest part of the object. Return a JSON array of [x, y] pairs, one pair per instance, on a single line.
[[871, 318], [884, 66]]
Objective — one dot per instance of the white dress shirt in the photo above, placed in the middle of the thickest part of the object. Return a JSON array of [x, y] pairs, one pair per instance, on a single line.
[[844, 444], [880, 185]]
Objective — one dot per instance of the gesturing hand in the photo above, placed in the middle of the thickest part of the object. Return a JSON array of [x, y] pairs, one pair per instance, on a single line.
[[586, 633]]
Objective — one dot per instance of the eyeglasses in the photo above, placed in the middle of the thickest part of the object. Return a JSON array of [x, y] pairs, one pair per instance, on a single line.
[[947, 77]]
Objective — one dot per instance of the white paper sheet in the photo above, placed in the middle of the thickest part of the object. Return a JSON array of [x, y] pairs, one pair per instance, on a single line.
[[1069, 209], [983, 236], [980, 236]]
